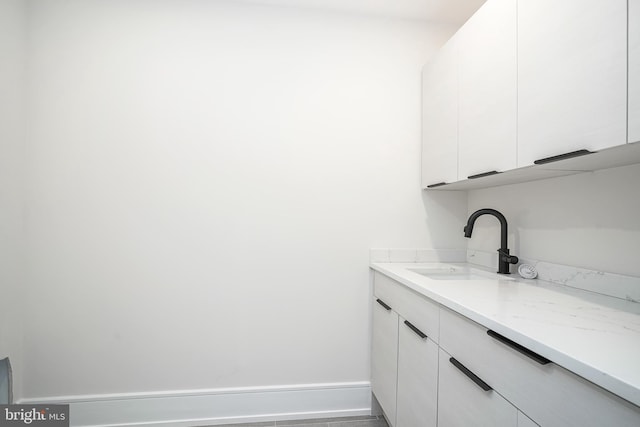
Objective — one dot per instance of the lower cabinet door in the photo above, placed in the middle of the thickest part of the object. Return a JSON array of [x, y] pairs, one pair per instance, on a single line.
[[417, 402], [463, 402], [524, 421], [384, 358]]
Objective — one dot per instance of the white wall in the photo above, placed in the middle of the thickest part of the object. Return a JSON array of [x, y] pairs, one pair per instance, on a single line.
[[12, 135], [205, 179], [589, 220]]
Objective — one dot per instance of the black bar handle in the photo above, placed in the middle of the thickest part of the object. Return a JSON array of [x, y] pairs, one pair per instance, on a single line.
[[473, 377], [382, 303], [437, 184], [521, 349], [562, 157], [483, 174], [416, 330]]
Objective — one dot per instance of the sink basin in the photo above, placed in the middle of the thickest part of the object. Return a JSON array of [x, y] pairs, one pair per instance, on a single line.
[[455, 273], [454, 276]]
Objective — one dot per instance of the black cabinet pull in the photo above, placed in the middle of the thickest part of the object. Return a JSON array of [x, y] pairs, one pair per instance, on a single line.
[[382, 303], [473, 377], [514, 345], [437, 184], [562, 157], [416, 330], [483, 174]]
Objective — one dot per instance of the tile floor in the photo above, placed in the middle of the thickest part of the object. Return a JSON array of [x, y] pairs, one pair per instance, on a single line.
[[371, 421]]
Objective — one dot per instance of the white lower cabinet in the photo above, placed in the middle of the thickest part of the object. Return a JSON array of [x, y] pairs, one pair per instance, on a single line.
[[417, 378], [432, 366], [384, 357], [405, 354], [462, 401], [549, 394], [524, 421]]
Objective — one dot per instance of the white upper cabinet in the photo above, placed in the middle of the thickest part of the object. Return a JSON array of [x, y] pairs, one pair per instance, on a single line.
[[440, 117], [634, 70], [488, 90], [525, 82], [572, 76]]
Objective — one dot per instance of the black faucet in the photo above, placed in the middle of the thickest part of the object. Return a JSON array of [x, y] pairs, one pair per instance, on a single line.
[[504, 259]]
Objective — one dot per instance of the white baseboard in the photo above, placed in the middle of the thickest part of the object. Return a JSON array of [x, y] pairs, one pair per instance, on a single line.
[[217, 406]]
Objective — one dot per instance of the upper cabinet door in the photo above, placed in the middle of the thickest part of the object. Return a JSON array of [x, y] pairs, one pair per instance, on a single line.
[[634, 71], [440, 117], [488, 89], [572, 76]]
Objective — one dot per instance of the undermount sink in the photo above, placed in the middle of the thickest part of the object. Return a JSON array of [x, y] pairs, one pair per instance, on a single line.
[[455, 273]]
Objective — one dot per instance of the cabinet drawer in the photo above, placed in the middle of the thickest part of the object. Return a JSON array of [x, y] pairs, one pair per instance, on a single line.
[[463, 403], [417, 309], [549, 394]]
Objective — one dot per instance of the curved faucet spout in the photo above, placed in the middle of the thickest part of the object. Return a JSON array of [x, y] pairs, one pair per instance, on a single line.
[[503, 224], [504, 259]]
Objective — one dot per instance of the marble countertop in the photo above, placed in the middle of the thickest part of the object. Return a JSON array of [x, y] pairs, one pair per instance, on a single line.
[[594, 336]]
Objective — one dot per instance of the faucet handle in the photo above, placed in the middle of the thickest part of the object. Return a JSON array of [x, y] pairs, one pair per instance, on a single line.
[[504, 256]]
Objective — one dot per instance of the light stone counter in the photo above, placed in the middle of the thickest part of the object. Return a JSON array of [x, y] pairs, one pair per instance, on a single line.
[[592, 335]]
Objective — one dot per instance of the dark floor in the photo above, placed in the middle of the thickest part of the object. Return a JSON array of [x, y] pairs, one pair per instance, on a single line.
[[371, 421]]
